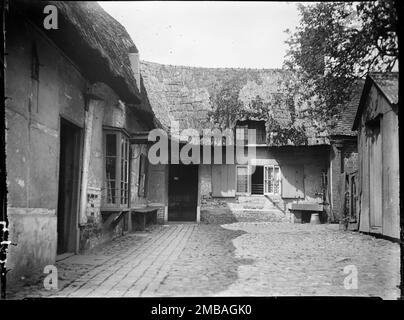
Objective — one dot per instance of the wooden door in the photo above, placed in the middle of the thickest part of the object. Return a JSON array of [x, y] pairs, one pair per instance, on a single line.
[[68, 198], [182, 192], [376, 179]]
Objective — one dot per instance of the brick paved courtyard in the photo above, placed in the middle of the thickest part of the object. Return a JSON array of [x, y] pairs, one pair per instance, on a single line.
[[247, 257]]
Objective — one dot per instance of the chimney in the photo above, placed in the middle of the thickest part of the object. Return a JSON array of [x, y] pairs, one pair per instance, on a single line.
[[135, 64]]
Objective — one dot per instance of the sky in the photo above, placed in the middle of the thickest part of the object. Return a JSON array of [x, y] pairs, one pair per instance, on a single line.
[[208, 33]]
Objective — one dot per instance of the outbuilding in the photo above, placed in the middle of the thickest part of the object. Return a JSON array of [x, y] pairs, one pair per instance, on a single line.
[[378, 145]]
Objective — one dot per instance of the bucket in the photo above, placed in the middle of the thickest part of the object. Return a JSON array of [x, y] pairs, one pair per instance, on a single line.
[[315, 218]]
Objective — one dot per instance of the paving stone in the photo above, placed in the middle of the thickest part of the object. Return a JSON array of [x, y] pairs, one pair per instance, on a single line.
[[257, 257]]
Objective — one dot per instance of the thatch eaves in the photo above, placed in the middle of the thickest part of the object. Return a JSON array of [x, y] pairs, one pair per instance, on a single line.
[[94, 41]]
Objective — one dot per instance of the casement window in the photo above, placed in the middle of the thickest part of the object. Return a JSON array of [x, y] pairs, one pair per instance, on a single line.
[[242, 182], [116, 144], [257, 128], [272, 180], [260, 133], [143, 167]]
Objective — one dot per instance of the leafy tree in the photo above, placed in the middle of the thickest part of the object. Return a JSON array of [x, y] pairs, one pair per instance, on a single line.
[[339, 42], [226, 106], [227, 109]]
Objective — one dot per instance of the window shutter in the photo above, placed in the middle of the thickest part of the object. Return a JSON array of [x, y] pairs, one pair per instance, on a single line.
[[292, 181], [143, 165]]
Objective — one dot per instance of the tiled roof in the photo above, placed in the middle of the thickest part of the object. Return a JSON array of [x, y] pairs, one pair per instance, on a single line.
[[388, 84], [343, 124]]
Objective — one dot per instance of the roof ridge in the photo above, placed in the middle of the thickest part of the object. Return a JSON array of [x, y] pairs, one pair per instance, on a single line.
[[214, 68]]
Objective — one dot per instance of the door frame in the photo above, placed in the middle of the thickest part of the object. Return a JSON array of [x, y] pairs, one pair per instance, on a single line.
[[79, 146], [197, 203]]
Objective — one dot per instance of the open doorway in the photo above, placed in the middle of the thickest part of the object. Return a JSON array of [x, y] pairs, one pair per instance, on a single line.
[[68, 194], [183, 192], [257, 180]]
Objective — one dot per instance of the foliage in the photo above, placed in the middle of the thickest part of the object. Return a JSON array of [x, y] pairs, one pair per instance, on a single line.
[[339, 42], [227, 109]]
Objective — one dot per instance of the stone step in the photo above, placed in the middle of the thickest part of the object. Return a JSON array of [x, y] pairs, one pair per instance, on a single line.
[[252, 207], [257, 199]]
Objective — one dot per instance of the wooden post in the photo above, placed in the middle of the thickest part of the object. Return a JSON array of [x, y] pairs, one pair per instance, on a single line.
[[88, 132]]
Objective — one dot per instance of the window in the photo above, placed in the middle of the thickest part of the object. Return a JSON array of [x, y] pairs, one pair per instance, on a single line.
[[242, 179], [143, 165], [116, 169], [260, 133], [243, 134], [272, 179]]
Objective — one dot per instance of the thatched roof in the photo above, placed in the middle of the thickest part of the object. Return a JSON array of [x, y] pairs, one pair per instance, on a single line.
[[93, 40], [184, 94]]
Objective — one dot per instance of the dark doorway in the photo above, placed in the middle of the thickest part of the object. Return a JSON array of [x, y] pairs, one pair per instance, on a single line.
[[68, 198], [182, 192], [257, 181]]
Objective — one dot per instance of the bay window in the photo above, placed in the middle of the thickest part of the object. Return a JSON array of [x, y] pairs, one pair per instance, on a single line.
[[116, 146]]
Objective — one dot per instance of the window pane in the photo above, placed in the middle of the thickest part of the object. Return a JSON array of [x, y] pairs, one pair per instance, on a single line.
[[116, 179], [111, 145], [111, 192], [111, 168]]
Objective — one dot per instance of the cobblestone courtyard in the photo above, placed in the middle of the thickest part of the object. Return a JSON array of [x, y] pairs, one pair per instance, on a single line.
[[252, 256]]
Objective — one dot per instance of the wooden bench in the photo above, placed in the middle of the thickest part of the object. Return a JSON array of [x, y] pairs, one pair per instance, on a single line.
[[303, 211], [112, 216], [141, 216]]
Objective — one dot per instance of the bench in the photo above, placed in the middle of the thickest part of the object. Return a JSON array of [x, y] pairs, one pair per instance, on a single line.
[[111, 217], [141, 216], [303, 211]]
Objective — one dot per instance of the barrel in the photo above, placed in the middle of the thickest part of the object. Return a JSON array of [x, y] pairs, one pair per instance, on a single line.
[[315, 218]]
